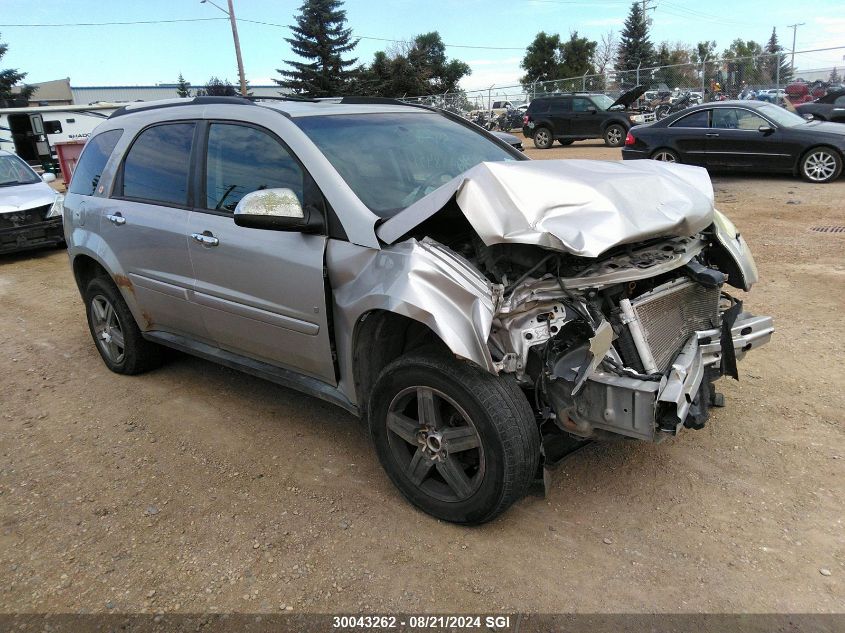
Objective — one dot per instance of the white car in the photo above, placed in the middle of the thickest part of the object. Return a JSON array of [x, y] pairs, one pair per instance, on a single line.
[[30, 210]]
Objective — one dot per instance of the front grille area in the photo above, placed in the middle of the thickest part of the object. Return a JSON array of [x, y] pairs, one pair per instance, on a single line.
[[16, 219], [669, 315]]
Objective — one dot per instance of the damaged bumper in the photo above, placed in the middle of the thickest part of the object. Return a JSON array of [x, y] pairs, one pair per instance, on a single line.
[[652, 410], [38, 235]]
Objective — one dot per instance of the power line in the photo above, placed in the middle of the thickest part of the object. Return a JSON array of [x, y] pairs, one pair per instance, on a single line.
[[116, 23]]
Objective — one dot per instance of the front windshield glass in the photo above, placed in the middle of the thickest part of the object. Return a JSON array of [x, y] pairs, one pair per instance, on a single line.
[[391, 160], [13, 171], [781, 117], [602, 101]]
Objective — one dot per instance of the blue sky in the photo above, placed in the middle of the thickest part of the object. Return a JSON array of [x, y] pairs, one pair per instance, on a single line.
[[149, 54]]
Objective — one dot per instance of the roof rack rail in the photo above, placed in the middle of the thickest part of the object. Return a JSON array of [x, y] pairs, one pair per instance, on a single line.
[[205, 100], [255, 98], [382, 101]]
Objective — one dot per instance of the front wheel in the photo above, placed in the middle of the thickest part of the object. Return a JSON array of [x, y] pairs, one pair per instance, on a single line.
[[614, 135], [459, 443], [543, 138], [821, 164]]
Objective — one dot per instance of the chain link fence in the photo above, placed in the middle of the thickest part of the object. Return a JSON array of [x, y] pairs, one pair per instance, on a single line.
[[771, 77]]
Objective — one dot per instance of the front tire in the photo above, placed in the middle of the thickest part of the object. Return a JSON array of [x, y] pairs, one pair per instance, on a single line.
[[117, 337], [459, 443], [543, 138], [821, 165], [614, 135]]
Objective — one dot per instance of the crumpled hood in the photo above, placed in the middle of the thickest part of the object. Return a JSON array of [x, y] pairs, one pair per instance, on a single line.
[[22, 197], [583, 207]]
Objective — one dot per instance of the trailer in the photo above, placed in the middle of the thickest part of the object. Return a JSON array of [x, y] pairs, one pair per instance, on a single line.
[[32, 132]]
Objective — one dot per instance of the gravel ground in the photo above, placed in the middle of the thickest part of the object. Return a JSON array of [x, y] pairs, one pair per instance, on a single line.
[[195, 488]]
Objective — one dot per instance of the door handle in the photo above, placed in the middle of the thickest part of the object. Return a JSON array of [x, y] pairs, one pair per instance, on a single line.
[[116, 218], [712, 134], [205, 238]]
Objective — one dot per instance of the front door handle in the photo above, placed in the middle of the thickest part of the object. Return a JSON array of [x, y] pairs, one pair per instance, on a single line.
[[712, 134], [205, 238], [116, 218]]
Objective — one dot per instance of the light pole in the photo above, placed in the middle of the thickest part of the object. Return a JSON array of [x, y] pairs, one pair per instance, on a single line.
[[234, 23], [794, 28]]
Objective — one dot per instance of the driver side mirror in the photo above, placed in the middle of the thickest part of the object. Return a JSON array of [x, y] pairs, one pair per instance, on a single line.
[[765, 129], [48, 177], [278, 210], [809, 117], [592, 109]]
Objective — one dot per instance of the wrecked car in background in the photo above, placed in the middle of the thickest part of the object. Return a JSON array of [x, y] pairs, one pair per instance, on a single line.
[[474, 307]]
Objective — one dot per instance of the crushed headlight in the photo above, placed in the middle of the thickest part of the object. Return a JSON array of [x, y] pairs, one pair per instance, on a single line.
[[58, 208]]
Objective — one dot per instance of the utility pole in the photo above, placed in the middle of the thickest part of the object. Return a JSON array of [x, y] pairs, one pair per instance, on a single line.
[[647, 8], [234, 23], [794, 28]]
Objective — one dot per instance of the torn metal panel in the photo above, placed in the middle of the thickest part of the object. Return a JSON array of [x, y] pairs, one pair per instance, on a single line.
[[581, 207]]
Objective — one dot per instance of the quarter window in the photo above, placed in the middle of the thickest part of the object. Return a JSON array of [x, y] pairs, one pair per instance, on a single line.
[[840, 101], [90, 167], [157, 165], [243, 159], [696, 119]]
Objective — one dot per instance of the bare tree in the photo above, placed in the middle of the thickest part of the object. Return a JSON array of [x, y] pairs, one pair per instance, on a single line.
[[606, 52]]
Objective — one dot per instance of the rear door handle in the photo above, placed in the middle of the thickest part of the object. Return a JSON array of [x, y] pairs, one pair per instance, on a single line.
[[116, 218], [205, 238], [712, 134]]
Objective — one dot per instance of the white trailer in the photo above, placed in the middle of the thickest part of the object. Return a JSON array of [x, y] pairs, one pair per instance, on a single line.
[[32, 132]]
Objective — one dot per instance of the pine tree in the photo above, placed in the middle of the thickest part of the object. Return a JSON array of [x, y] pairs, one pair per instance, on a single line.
[[834, 76], [635, 49], [321, 37], [183, 88], [9, 78], [215, 87], [776, 58]]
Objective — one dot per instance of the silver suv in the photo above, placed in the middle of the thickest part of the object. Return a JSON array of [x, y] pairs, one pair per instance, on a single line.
[[483, 313]]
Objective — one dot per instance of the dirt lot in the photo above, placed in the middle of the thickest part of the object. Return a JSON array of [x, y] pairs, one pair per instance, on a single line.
[[194, 488]]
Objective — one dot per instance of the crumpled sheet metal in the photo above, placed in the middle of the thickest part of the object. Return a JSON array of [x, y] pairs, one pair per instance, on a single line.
[[583, 207]]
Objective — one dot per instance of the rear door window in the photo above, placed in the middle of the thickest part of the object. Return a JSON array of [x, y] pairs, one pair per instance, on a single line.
[[561, 105], [158, 163], [86, 176]]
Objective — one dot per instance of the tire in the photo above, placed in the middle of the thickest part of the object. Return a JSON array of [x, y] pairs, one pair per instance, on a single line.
[[666, 155], [662, 111], [543, 138], [487, 416], [566, 141], [116, 335], [820, 165], [614, 135]]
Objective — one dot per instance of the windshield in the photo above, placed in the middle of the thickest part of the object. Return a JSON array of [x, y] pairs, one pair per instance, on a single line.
[[13, 171], [391, 160], [603, 102], [782, 117]]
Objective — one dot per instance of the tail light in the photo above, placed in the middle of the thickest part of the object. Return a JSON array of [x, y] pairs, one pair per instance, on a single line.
[[525, 119], [630, 140]]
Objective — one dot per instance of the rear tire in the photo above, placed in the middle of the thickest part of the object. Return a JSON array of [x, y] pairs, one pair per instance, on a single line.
[[614, 135], [821, 165], [459, 443], [666, 155], [543, 138], [117, 337]]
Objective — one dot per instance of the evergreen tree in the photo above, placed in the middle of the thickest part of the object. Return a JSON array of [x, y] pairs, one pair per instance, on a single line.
[[9, 78], [775, 59], [320, 36], [215, 87], [183, 88], [635, 49], [834, 76]]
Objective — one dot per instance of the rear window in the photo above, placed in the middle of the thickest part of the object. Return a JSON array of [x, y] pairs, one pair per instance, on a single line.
[[90, 167], [157, 165]]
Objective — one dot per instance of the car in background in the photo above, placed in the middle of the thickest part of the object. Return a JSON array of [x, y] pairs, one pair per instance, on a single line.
[[743, 135], [577, 116], [830, 107], [510, 139], [771, 95], [30, 210]]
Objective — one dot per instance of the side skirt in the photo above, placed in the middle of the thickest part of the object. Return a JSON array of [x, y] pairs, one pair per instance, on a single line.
[[266, 371]]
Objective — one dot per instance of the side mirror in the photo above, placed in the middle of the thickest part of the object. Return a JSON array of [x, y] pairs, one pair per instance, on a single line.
[[276, 209], [809, 117], [765, 129], [592, 109], [48, 177]]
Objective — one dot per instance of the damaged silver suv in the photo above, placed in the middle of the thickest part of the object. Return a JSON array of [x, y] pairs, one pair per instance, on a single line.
[[477, 309]]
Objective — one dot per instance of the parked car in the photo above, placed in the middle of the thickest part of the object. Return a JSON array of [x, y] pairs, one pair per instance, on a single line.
[[401, 263], [573, 117], [771, 95], [830, 107], [30, 210], [743, 135], [510, 139]]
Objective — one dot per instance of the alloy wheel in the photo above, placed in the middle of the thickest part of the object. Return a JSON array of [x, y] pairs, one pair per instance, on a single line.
[[435, 444], [666, 157], [614, 136], [820, 166], [542, 137], [108, 331]]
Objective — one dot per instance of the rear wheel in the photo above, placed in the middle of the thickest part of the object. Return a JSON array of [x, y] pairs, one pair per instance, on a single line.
[[821, 164], [666, 155], [614, 135], [543, 138], [459, 443]]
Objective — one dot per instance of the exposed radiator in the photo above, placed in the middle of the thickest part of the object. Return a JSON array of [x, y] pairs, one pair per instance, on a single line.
[[668, 315]]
